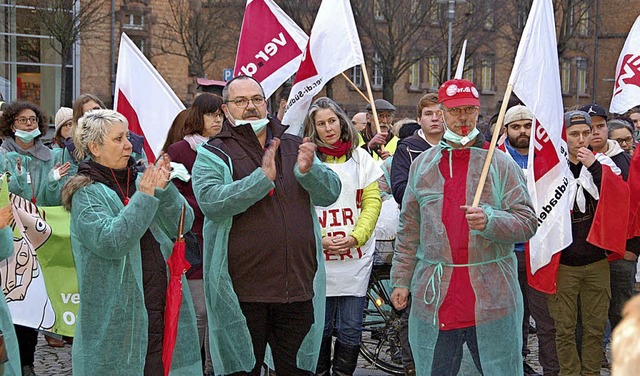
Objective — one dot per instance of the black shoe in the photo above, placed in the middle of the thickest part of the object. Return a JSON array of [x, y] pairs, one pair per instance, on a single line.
[[345, 359], [528, 370], [324, 360], [605, 361], [28, 371]]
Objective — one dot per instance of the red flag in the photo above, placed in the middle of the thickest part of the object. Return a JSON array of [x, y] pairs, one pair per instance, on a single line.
[[334, 46], [144, 98], [626, 91], [607, 221], [634, 196], [178, 265], [536, 81], [270, 46]]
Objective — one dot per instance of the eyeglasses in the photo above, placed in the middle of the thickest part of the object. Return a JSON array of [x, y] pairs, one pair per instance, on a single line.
[[628, 140], [26, 120], [244, 102], [385, 115], [217, 114], [457, 111]]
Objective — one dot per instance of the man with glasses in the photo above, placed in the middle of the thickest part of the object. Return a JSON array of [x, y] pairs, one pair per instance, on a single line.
[[257, 187], [622, 272], [458, 260], [380, 145]]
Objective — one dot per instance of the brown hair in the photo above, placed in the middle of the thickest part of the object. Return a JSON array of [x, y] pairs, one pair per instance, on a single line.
[[427, 100], [10, 114], [80, 101], [206, 103], [175, 131]]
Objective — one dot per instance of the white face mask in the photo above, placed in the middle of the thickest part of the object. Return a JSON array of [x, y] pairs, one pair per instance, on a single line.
[[27, 137], [451, 136], [256, 125]]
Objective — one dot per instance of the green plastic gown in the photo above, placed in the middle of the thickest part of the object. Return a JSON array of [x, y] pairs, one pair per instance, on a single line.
[[220, 198], [42, 186], [423, 260], [111, 327], [12, 367]]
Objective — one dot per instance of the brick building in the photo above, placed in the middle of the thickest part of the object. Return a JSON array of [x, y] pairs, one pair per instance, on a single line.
[[591, 35]]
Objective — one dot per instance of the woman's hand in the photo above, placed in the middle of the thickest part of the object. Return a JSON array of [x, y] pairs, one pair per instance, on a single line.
[[6, 216], [338, 245], [163, 171], [62, 171]]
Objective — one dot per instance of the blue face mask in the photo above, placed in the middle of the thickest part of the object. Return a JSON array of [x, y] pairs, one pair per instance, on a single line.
[[27, 137], [450, 136], [256, 125]]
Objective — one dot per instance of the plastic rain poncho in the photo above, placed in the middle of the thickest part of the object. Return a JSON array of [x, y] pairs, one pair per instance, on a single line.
[[12, 367], [111, 327], [220, 198], [423, 259], [35, 178]]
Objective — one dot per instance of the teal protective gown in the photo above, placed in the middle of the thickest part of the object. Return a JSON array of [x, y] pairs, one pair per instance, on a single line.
[[423, 259], [36, 177], [12, 367], [111, 327], [220, 198]]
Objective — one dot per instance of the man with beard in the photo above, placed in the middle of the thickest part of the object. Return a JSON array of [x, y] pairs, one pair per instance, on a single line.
[[458, 260], [257, 187], [518, 121]]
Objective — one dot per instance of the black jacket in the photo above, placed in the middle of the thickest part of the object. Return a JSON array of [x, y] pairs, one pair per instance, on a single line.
[[407, 151]]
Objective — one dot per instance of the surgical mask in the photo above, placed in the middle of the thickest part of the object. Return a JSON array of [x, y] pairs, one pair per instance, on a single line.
[[450, 136], [256, 125], [27, 137]]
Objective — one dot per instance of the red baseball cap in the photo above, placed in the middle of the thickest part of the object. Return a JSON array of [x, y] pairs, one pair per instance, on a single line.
[[455, 93]]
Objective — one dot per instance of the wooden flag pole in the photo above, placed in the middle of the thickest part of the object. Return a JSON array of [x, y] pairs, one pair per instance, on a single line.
[[492, 147], [355, 87], [376, 122]]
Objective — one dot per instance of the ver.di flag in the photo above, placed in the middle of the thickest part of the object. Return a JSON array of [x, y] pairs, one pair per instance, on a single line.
[[626, 91], [144, 98], [536, 81], [270, 46], [334, 46]]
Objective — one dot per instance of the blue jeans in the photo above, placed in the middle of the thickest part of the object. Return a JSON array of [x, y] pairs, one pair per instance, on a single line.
[[344, 313], [623, 278], [448, 353]]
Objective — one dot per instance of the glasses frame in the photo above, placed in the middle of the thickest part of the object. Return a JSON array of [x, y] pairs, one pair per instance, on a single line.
[[457, 111], [27, 120], [253, 100]]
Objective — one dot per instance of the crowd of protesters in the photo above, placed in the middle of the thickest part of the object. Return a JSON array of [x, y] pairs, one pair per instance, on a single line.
[[281, 236]]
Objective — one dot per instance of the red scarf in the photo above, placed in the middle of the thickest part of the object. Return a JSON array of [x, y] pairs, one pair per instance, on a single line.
[[336, 150]]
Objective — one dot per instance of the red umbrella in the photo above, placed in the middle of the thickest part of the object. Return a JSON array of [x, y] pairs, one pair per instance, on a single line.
[[178, 265]]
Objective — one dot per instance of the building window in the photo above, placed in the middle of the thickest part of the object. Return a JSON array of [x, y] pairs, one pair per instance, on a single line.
[[415, 10], [378, 11], [566, 76], [378, 78], [356, 75], [432, 14], [487, 75], [488, 22], [581, 75], [414, 76], [580, 18], [133, 21], [467, 74], [141, 43], [434, 72]]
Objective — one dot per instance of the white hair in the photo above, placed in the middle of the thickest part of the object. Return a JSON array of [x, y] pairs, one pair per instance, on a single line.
[[93, 127]]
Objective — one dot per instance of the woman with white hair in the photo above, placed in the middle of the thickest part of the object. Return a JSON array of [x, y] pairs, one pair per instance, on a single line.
[[122, 224]]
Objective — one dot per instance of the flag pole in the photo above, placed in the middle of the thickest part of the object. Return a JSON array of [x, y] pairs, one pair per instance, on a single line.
[[376, 122], [492, 146], [355, 87]]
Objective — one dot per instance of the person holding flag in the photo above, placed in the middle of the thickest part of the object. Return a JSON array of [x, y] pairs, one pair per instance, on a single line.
[[458, 260]]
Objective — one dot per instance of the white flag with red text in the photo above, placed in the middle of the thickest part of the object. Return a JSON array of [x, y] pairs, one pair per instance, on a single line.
[[334, 46], [270, 46], [626, 90], [536, 81], [144, 98]]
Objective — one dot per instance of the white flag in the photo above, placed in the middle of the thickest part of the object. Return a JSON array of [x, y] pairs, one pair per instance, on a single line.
[[536, 81], [144, 98], [626, 91], [334, 46], [270, 46]]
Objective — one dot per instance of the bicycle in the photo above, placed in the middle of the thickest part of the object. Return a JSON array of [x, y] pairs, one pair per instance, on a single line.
[[381, 323]]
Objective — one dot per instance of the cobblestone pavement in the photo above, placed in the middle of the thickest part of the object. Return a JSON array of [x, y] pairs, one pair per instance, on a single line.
[[54, 361]]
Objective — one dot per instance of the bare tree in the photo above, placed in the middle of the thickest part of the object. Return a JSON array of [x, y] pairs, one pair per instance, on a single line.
[[199, 31], [66, 21]]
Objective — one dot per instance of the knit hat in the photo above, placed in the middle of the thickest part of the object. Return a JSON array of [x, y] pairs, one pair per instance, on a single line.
[[63, 115], [517, 113], [381, 105], [575, 114], [456, 93]]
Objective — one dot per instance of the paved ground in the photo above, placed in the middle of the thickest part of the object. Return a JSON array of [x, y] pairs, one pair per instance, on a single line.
[[52, 361]]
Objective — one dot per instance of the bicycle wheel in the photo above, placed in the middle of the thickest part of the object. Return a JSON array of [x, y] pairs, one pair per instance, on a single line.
[[380, 325]]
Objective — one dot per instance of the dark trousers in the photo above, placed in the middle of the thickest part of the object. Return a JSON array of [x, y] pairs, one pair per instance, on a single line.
[[623, 278], [27, 341], [281, 325], [403, 332], [535, 305], [448, 353]]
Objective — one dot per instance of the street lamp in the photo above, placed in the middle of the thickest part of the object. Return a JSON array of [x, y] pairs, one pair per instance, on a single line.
[[451, 16]]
